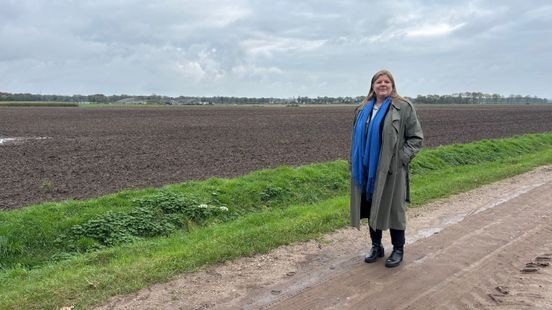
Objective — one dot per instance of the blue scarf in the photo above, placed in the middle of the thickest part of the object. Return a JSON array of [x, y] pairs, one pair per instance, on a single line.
[[366, 147]]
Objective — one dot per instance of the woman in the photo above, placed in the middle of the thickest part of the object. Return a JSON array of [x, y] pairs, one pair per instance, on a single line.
[[386, 136]]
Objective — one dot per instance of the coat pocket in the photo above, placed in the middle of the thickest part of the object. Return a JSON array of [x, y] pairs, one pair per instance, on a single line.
[[405, 159]]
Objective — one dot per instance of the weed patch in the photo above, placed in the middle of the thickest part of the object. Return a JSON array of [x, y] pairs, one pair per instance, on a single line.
[[155, 215]]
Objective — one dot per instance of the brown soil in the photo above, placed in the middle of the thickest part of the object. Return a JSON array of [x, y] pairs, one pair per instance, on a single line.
[[490, 248], [76, 153]]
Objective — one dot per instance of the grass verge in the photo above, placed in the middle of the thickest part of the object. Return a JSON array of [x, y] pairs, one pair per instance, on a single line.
[[89, 278], [33, 236]]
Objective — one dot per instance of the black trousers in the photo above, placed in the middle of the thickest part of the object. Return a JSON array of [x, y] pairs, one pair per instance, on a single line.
[[397, 235]]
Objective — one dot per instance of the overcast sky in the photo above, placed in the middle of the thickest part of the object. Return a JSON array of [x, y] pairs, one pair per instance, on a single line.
[[285, 49]]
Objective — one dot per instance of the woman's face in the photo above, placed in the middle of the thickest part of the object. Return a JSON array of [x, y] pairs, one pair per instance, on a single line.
[[383, 86]]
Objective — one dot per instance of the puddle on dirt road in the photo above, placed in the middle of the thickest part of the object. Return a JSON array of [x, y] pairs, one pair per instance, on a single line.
[[456, 217], [19, 140]]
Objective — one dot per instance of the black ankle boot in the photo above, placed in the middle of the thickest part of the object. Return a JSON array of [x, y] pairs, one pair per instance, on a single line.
[[375, 252], [395, 258]]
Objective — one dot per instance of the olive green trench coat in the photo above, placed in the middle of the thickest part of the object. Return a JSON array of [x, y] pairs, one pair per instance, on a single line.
[[401, 139]]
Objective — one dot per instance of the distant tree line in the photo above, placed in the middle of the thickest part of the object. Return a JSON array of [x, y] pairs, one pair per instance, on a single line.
[[478, 98], [157, 99], [460, 98]]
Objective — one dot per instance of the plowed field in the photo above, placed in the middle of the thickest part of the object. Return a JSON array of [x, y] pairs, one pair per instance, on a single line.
[[53, 154]]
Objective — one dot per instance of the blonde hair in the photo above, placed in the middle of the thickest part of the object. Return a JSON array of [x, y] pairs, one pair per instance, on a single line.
[[372, 93]]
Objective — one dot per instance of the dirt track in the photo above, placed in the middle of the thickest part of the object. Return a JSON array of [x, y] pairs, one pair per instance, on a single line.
[[78, 153], [490, 248]]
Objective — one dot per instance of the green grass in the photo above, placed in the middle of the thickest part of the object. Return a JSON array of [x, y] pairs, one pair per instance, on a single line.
[[36, 235], [93, 277], [453, 180], [268, 208]]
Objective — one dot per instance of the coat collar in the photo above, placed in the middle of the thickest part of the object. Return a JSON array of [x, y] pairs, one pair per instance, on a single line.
[[396, 104]]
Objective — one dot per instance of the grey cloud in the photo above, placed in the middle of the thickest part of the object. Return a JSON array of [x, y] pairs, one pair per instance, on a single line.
[[283, 49]]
